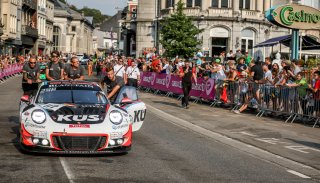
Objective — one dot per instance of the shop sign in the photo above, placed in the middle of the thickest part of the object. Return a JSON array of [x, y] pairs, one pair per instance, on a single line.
[[295, 16]]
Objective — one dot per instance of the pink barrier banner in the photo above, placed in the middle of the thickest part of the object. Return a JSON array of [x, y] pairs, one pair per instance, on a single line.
[[171, 83], [10, 70]]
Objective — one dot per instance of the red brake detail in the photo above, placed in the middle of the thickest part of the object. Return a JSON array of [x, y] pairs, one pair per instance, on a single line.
[[25, 135], [128, 135]]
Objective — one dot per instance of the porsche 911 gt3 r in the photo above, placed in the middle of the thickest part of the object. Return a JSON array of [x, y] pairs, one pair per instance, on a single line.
[[76, 117]]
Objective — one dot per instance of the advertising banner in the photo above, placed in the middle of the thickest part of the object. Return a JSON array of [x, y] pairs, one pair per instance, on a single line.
[[171, 83]]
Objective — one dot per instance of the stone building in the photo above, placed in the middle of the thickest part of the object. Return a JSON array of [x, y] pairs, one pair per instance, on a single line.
[[228, 24], [72, 31], [41, 25], [49, 26], [10, 39]]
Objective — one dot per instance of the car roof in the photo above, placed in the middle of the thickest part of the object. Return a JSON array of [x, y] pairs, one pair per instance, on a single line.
[[72, 82]]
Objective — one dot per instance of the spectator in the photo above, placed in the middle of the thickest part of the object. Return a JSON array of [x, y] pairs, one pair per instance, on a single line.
[[242, 67], [187, 73], [30, 79], [267, 60], [238, 54], [120, 71], [248, 58], [133, 74], [217, 71], [296, 68]]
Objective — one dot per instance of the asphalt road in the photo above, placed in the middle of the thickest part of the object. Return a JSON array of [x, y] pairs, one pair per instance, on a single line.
[[162, 152]]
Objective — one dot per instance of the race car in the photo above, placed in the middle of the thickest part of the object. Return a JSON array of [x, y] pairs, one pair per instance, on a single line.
[[75, 117]]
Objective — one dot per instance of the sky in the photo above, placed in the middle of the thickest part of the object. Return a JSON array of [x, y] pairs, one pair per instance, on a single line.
[[107, 7]]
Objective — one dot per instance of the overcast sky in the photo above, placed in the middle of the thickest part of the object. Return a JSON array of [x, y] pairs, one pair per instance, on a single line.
[[107, 7]]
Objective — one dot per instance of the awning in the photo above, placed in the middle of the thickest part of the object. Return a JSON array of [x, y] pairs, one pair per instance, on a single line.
[[274, 41], [308, 43]]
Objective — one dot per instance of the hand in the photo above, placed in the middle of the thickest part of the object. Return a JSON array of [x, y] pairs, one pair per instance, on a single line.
[[309, 85], [29, 81], [38, 81]]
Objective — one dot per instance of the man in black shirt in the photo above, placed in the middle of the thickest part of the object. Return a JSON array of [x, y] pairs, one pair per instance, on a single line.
[[30, 79], [74, 71], [186, 73], [113, 84]]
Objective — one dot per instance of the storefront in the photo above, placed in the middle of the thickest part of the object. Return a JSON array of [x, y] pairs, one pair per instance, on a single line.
[[219, 40]]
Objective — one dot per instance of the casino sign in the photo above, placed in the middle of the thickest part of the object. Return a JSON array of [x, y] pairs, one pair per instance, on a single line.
[[295, 16]]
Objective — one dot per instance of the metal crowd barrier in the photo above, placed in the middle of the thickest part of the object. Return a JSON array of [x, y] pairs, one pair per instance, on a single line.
[[290, 102]]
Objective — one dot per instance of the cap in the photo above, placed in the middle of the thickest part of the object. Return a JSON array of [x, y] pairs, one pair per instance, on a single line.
[[217, 60]]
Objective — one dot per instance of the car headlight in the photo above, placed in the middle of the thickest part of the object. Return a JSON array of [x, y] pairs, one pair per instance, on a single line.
[[38, 116], [116, 117]]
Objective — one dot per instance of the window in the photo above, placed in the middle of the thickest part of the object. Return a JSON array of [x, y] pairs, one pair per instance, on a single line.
[[244, 4], [247, 40], [215, 3], [194, 3], [56, 33], [224, 4], [189, 3], [73, 28], [169, 3]]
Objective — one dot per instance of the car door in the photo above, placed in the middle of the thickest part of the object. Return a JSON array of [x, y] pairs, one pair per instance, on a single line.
[[128, 100]]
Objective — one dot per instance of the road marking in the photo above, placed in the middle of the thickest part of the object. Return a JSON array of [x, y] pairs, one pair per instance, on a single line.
[[67, 169], [298, 174], [245, 133], [241, 146], [301, 149]]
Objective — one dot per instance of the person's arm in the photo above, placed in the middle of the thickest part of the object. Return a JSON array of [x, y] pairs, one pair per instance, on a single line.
[[25, 77], [47, 75], [62, 74], [125, 77], [114, 91], [81, 74], [138, 75]]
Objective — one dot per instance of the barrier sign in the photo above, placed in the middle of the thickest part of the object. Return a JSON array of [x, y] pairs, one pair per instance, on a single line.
[[171, 83]]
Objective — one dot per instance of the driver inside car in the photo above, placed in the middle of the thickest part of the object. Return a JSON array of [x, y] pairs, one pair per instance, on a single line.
[[112, 83]]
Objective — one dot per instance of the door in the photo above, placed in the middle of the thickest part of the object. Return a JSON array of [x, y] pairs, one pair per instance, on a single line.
[[135, 107], [219, 45]]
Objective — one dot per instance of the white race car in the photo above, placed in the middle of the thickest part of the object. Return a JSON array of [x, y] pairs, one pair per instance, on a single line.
[[76, 117]]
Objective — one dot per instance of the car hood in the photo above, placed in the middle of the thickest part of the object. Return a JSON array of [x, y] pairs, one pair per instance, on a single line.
[[75, 113]]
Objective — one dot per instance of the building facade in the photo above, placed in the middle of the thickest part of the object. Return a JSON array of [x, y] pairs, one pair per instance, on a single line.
[[41, 25], [49, 26], [227, 24], [9, 13], [72, 32]]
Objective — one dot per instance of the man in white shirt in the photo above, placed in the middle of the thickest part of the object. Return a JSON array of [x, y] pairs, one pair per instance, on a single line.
[[120, 70], [267, 74], [133, 74]]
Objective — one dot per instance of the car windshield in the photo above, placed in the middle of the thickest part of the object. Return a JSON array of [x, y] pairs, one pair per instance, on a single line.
[[127, 91], [76, 94]]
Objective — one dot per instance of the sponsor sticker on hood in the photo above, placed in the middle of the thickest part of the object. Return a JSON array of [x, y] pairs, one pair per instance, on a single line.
[[79, 126]]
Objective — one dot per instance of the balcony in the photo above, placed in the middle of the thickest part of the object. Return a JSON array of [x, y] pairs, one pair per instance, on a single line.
[[30, 3], [29, 31], [192, 12], [251, 14], [166, 12], [220, 12]]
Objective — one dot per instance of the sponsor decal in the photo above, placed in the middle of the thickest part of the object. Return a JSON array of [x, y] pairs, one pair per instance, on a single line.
[[40, 134], [79, 126], [79, 118], [168, 79], [116, 135], [153, 78], [139, 115], [209, 86], [118, 127], [31, 125]]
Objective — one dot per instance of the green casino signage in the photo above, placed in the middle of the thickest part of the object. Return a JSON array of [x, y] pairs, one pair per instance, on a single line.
[[295, 16]]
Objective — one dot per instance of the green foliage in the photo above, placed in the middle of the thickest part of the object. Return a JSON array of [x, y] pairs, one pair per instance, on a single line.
[[179, 35], [312, 62], [98, 17]]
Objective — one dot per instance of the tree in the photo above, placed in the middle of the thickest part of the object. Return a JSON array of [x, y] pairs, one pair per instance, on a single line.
[[179, 35]]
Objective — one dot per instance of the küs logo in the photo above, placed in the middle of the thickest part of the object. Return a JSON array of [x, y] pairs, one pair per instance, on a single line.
[[78, 118], [209, 86]]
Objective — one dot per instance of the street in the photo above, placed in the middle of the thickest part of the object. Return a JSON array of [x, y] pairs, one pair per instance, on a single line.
[[162, 152]]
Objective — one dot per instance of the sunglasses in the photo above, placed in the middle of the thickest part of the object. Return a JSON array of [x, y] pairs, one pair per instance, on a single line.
[[32, 62], [54, 56]]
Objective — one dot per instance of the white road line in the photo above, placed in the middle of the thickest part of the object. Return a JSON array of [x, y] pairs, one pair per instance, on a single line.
[[67, 169], [298, 174], [241, 146]]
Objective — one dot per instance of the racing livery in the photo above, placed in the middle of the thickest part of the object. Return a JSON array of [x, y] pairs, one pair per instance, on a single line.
[[76, 117]]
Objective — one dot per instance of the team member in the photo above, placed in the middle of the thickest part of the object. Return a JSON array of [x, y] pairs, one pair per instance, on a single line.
[[30, 79], [113, 84], [74, 71], [186, 73], [55, 69], [133, 74]]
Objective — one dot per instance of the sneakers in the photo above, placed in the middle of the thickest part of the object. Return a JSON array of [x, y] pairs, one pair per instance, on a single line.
[[236, 111]]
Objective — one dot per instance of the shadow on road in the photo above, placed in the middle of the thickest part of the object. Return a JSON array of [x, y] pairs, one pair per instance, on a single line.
[[167, 103], [305, 143]]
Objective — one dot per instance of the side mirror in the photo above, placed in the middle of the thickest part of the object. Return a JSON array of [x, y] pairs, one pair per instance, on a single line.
[[25, 98], [125, 101]]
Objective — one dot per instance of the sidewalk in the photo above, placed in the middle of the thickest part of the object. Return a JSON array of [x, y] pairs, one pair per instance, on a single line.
[[293, 141]]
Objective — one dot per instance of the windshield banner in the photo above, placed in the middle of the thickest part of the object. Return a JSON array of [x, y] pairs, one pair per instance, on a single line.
[[171, 83]]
